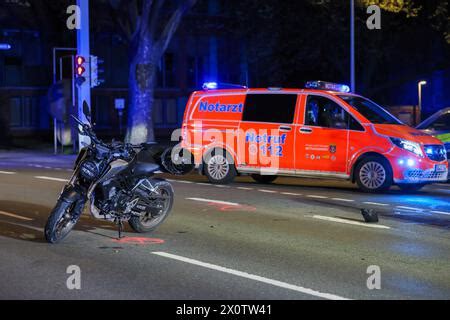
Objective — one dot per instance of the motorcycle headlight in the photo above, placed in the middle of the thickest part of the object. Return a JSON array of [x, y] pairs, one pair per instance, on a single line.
[[410, 146], [89, 170]]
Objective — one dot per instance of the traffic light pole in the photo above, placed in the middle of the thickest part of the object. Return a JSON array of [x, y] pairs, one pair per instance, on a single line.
[[83, 49]]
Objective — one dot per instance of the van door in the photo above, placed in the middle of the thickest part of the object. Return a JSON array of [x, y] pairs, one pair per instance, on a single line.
[[267, 132], [322, 140]]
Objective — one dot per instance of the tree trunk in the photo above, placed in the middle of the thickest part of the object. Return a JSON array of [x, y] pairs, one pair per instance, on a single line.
[[141, 89]]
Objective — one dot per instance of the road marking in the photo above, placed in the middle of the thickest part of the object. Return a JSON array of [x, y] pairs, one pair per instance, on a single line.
[[316, 197], [214, 201], [51, 179], [267, 191], [250, 276], [408, 208], [344, 200], [182, 181], [7, 172], [376, 203], [203, 184], [291, 194], [441, 212], [220, 186], [245, 188], [14, 216], [332, 219]]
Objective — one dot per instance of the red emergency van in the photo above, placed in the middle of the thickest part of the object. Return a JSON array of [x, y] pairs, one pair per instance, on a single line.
[[322, 131]]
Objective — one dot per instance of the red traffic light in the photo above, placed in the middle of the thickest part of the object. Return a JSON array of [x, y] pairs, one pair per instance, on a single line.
[[80, 60], [79, 68]]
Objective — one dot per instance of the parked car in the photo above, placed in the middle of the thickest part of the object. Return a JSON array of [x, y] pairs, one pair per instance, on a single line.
[[438, 125]]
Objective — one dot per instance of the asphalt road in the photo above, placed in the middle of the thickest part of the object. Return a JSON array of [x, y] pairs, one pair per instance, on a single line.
[[294, 239]]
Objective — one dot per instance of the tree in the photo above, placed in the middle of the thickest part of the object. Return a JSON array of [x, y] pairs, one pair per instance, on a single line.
[[302, 40], [149, 26]]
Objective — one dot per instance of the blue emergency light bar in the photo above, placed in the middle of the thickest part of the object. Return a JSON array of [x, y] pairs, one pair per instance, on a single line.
[[216, 86], [323, 85]]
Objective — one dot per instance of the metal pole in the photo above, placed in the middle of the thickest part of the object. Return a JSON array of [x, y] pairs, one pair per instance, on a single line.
[[83, 49], [352, 46], [55, 125], [419, 85]]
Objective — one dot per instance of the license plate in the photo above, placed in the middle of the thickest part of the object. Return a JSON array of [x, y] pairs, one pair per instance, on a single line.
[[440, 168]]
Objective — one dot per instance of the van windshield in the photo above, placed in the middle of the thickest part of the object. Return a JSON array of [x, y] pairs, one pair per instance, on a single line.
[[370, 110]]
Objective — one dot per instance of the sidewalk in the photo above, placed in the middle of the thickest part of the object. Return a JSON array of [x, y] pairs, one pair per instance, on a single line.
[[25, 158]]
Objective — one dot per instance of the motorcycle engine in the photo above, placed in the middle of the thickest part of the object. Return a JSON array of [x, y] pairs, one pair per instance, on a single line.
[[119, 202]]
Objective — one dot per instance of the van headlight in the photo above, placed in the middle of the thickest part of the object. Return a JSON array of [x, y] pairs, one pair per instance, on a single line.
[[410, 146]]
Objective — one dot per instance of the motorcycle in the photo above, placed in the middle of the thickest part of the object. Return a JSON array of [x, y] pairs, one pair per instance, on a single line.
[[118, 181]]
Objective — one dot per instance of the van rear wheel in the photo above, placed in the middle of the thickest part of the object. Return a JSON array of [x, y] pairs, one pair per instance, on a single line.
[[219, 167], [374, 174]]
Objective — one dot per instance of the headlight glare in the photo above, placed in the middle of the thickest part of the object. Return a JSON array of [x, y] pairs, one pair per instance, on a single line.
[[410, 146]]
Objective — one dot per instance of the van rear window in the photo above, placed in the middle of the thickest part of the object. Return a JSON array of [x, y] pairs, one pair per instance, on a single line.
[[276, 108]]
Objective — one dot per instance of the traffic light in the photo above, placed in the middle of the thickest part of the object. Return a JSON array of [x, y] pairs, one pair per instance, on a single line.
[[97, 71], [80, 69]]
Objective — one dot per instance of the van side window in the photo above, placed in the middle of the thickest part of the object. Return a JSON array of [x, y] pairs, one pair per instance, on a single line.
[[323, 112], [275, 108]]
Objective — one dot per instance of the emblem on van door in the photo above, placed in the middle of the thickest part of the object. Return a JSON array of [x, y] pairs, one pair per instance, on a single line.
[[333, 148]]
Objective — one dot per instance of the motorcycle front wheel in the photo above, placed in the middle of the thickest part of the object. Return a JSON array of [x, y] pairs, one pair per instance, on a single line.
[[163, 205], [61, 221]]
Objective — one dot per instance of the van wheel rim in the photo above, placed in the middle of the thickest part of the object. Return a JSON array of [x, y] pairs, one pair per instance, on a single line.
[[218, 167], [372, 175]]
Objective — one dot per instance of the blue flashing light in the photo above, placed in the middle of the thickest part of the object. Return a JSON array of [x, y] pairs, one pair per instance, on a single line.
[[323, 85], [429, 150], [401, 162], [411, 163], [216, 86], [210, 86]]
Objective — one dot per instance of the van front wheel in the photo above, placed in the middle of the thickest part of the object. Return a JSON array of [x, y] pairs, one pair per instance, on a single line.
[[374, 174], [219, 167]]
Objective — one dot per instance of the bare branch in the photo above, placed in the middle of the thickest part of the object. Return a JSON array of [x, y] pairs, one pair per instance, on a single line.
[[172, 24]]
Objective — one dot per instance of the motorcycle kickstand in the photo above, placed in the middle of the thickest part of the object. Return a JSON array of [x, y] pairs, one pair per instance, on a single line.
[[119, 222]]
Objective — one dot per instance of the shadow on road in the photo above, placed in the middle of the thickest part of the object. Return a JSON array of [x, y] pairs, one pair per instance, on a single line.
[[31, 226]]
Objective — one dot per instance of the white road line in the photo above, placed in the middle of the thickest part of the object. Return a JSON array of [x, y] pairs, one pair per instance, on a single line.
[[220, 186], [409, 208], [245, 188], [14, 216], [246, 275], [204, 184], [376, 203], [291, 194], [316, 197], [332, 219], [7, 172], [267, 191], [51, 179], [343, 200], [441, 212], [182, 181], [214, 201]]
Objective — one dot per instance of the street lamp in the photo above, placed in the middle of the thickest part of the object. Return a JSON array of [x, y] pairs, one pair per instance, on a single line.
[[352, 46], [419, 87]]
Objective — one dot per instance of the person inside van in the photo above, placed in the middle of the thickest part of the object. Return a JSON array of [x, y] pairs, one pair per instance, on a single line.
[[312, 113]]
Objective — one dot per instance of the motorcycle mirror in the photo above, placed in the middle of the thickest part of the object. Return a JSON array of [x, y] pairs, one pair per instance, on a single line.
[[86, 111]]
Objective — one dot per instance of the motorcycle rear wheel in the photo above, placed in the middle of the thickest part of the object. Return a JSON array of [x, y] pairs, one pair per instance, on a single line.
[[150, 221]]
